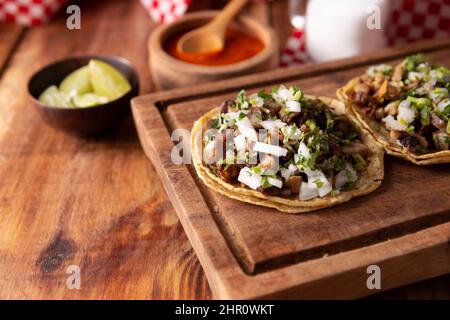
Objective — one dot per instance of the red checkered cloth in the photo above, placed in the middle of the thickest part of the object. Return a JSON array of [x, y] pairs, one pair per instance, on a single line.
[[410, 20], [418, 19], [295, 52], [165, 11], [28, 12]]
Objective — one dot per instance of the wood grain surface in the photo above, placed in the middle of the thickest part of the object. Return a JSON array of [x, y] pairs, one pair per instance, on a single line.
[[9, 37], [95, 203]]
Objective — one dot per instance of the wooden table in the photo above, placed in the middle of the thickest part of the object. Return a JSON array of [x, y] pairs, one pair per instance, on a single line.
[[98, 203]]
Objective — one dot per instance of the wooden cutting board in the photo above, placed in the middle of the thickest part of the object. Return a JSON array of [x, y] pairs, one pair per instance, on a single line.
[[254, 252]]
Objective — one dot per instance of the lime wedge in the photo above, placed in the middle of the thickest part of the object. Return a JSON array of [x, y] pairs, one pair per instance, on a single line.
[[88, 100], [76, 82], [54, 98], [106, 80]]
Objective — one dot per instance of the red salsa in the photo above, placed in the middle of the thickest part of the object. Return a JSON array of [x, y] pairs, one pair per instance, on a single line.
[[239, 46]]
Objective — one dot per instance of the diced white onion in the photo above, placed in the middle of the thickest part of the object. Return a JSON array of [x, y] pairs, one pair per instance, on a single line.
[[326, 188], [249, 178], [405, 104], [291, 132], [392, 124], [240, 142], [347, 175], [292, 168], [271, 149], [270, 124], [415, 76], [285, 173], [256, 100], [282, 94], [245, 127], [443, 104], [312, 173], [406, 114], [313, 176], [293, 106], [308, 191], [438, 94], [303, 150], [275, 182], [230, 116]]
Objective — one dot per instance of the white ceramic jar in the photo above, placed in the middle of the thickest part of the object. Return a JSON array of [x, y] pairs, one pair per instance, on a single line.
[[338, 29]]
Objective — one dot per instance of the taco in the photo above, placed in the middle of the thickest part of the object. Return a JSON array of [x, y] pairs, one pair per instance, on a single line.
[[286, 151], [406, 108]]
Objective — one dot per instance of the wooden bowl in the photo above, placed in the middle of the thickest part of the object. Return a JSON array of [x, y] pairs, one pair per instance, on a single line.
[[90, 121], [169, 72]]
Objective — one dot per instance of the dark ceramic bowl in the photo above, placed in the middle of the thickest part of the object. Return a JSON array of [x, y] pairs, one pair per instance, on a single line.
[[84, 121]]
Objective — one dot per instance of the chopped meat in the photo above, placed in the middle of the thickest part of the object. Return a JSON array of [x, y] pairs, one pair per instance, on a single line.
[[294, 183], [272, 106], [336, 149], [381, 92], [395, 135], [271, 191], [409, 142], [392, 108], [393, 91], [269, 163], [287, 117], [255, 117], [312, 114], [412, 85], [379, 114], [398, 72], [441, 140], [378, 79], [436, 121], [225, 105], [422, 141], [229, 173], [361, 93]]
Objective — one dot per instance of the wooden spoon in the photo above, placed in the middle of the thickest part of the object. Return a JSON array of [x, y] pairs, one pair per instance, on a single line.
[[211, 37]]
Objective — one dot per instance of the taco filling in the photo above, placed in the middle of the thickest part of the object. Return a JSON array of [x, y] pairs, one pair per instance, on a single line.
[[285, 145], [409, 103]]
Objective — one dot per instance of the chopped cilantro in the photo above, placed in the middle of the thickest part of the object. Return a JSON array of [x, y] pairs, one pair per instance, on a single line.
[[319, 183], [425, 115], [336, 162], [349, 176], [265, 182], [242, 100], [348, 186], [414, 60], [360, 163], [311, 124], [410, 129], [264, 95], [217, 122], [330, 121], [419, 103]]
